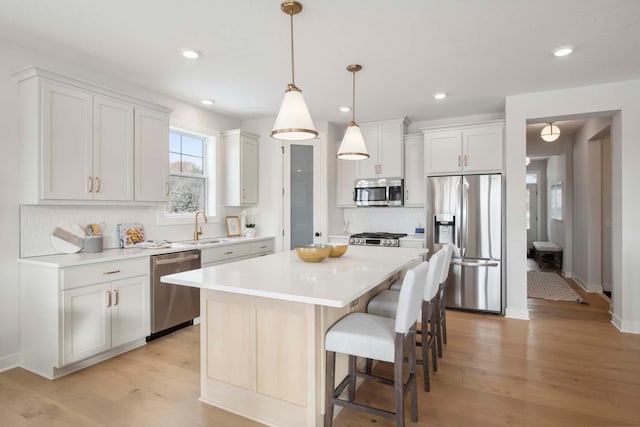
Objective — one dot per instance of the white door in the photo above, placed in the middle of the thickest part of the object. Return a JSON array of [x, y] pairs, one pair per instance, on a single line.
[[67, 133], [249, 166], [482, 149], [390, 150], [301, 194], [414, 192], [367, 168], [443, 152], [532, 214], [346, 175], [86, 325], [151, 155], [130, 316], [112, 149]]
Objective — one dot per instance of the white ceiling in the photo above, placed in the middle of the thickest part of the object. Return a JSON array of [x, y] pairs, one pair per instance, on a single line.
[[476, 51]]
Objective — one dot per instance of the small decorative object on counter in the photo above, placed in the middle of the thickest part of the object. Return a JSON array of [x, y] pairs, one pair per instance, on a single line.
[[233, 226], [249, 220], [130, 234], [313, 252]]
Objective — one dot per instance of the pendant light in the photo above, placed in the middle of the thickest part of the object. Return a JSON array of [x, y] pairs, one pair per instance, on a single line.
[[550, 132], [353, 146], [294, 121]]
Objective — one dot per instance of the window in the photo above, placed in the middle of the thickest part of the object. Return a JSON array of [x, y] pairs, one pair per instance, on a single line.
[[187, 174]]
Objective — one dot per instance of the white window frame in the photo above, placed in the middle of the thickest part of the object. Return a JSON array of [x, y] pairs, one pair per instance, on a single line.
[[212, 181]]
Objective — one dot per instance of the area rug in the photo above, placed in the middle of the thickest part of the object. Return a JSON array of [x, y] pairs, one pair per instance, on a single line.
[[551, 287]]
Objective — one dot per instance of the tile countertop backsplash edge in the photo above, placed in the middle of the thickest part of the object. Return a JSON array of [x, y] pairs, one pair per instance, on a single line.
[[80, 258]]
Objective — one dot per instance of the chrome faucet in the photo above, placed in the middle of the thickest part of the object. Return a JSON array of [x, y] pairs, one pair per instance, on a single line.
[[198, 231]]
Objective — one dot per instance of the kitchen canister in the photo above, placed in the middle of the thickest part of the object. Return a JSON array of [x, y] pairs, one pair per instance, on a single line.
[[93, 244]]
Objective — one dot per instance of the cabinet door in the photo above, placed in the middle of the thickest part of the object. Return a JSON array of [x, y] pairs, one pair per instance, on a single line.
[[249, 170], [151, 155], [130, 315], [443, 152], [414, 179], [112, 149], [67, 132], [390, 150], [86, 324], [368, 168], [346, 174], [482, 149]]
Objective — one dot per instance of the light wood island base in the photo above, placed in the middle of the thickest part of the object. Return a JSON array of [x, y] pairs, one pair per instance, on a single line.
[[264, 358]]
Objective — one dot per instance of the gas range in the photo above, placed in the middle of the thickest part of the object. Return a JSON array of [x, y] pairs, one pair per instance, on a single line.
[[376, 239]]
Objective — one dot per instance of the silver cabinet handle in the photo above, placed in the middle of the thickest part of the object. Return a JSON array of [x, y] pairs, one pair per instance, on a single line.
[[459, 161], [97, 184], [90, 185], [263, 247], [176, 260], [244, 194], [474, 263], [228, 253], [465, 160], [115, 297], [406, 194], [167, 189], [108, 298], [111, 272]]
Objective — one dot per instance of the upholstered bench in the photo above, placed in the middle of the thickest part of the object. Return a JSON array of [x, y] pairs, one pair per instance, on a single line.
[[548, 248]]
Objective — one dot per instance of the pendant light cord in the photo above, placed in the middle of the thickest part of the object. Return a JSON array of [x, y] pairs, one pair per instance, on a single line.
[[293, 73], [353, 103]]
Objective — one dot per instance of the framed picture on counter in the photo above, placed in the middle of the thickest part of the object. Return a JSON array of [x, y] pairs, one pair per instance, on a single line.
[[233, 226]]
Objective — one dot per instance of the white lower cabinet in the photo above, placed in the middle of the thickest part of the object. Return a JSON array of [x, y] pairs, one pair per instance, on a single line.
[[236, 252]]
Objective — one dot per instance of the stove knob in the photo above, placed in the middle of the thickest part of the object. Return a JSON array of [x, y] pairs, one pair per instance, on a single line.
[[385, 243]]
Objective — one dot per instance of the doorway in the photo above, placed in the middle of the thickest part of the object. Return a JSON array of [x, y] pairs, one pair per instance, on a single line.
[[300, 193]]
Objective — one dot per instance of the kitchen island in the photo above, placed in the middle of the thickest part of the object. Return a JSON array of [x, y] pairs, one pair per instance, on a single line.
[[263, 322]]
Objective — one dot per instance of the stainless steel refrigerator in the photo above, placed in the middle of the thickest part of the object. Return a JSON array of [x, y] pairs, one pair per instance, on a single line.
[[466, 210]]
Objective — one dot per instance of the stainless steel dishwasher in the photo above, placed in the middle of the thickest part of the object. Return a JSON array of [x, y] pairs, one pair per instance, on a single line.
[[173, 306]]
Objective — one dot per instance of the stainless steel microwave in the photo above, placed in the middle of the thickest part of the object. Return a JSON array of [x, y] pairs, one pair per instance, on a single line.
[[379, 192]]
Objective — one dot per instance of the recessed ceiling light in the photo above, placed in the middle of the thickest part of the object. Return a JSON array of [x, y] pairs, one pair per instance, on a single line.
[[345, 109], [207, 102], [440, 95], [190, 53], [563, 51]]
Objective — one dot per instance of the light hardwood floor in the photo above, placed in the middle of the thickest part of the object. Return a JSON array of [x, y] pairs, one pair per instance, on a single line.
[[568, 366]]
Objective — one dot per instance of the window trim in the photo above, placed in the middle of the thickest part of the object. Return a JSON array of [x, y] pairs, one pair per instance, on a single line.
[[211, 175]]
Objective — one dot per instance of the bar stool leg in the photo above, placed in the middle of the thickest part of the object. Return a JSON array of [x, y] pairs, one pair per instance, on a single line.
[[412, 377], [398, 384], [433, 332], [352, 377], [424, 334], [328, 388], [438, 325]]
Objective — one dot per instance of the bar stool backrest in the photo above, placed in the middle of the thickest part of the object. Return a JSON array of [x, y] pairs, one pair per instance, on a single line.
[[409, 301], [445, 269], [436, 266]]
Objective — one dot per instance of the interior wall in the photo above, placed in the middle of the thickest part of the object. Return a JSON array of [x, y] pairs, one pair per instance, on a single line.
[[588, 206], [619, 99], [540, 166], [556, 172], [14, 57], [605, 157]]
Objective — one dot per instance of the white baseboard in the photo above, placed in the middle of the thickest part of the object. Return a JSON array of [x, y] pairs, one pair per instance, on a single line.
[[588, 287], [628, 327], [9, 362], [516, 313], [567, 274]]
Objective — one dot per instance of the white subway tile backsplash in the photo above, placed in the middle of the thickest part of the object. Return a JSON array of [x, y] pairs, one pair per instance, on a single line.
[[393, 220], [37, 223]]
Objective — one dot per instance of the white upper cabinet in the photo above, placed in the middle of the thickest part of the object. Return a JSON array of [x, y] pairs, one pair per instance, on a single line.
[[414, 192], [82, 142], [384, 140], [112, 149], [240, 159], [346, 175], [467, 149], [151, 155], [67, 132]]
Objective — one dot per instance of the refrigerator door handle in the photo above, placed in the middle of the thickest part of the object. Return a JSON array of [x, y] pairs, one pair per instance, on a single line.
[[474, 263]]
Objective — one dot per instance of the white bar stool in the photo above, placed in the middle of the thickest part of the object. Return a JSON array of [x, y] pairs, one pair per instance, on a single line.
[[441, 316], [385, 303], [381, 338]]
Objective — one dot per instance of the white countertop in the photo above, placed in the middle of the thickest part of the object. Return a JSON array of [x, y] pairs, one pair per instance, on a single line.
[[334, 282], [69, 260]]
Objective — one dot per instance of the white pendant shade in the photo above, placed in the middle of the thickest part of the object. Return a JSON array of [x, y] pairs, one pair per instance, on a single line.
[[550, 132], [527, 161], [353, 146], [294, 121]]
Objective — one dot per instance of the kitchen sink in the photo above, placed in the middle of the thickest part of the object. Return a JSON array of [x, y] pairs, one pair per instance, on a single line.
[[200, 242]]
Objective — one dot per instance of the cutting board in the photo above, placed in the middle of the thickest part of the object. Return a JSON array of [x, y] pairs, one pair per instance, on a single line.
[[68, 238]]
